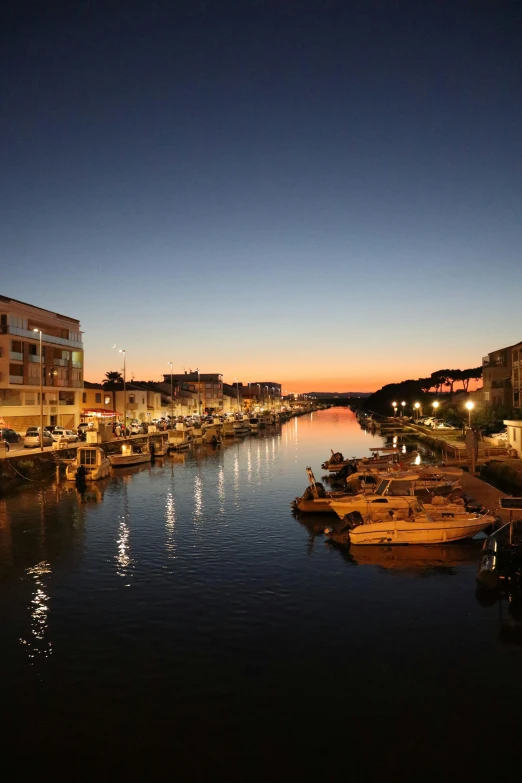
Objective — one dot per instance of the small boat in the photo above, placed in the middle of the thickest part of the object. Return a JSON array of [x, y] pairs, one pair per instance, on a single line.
[[241, 427], [315, 499], [421, 527], [159, 446], [91, 463], [398, 491], [254, 423], [131, 454], [180, 438]]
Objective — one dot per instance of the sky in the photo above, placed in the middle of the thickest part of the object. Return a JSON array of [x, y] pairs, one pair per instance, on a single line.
[[321, 193]]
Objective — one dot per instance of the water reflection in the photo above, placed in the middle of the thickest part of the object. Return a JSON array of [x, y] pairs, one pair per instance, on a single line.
[[170, 524], [414, 560], [37, 645], [124, 561], [198, 498], [221, 489]]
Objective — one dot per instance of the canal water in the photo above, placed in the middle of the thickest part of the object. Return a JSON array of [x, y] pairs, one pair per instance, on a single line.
[[179, 617]]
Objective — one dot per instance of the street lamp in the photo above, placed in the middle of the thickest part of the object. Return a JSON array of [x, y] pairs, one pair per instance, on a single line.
[[237, 383], [39, 331], [199, 394], [403, 404], [394, 406], [417, 406], [171, 394], [435, 406], [122, 350], [469, 405]]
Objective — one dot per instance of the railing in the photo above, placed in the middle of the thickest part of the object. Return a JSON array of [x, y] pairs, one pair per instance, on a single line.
[[35, 359], [16, 355], [16, 379], [46, 338]]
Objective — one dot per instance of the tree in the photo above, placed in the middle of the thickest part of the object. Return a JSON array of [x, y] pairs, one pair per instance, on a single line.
[[452, 376], [113, 379], [439, 378]]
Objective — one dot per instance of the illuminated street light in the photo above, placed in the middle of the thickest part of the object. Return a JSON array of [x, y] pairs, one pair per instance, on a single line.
[[435, 406], [417, 406], [403, 404], [237, 383], [122, 350], [469, 405], [394, 406], [41, 390], [171, 394]]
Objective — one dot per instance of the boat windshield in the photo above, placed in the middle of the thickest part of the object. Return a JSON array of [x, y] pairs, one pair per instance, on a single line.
[[87, 457], [382, 487]]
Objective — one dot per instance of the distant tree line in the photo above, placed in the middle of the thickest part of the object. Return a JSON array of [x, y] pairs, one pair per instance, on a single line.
[[421, 390]]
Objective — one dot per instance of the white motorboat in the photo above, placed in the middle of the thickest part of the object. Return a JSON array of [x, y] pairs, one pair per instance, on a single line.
[[419, 528], [131, 454], [241, 427], [91, 462]]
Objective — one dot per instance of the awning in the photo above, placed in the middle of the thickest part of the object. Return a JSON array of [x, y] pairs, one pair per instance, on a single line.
[[99, 412]]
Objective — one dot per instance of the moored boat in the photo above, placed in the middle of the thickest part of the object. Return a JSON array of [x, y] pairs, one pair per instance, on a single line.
[[421, 527], [131, 454], [91, 463]]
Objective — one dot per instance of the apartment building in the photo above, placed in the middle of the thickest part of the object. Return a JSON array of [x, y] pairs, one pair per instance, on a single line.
[[497, 377], [39, 349], [516, 378], [207, 386]]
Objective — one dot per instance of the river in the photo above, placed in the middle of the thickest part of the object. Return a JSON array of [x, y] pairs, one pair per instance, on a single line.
[[179, 610]]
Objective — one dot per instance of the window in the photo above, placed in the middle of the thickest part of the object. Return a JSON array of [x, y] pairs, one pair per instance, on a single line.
[[84, 397], [10, 397], [16, 346], [33, 349], [132, 397], [143, 400], [106, 400], [16, 370], [97, 397], [30, 398]]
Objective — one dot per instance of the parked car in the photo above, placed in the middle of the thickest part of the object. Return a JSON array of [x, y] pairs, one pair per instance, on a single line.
[[502, 435], [136, 429], [10, 436], [443, 425], [59, 432], [32, 438]]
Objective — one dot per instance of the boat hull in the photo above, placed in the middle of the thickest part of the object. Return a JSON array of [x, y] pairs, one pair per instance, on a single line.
[[125, 460], [423, 531]]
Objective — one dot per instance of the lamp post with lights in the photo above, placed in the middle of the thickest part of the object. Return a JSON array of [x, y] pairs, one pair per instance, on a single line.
[[435, 406], [122, 350], [39, 331], [237, 384], [469, 406], [403, 406], [171, 394], [394, 406], [417, 406]]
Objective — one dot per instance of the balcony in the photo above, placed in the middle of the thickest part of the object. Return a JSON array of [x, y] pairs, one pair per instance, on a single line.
[[46, 338], [35, 359], [16, 355], [16, 379]]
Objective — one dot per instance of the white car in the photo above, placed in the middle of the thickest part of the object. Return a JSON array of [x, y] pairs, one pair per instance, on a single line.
[[136, 429], [69, 435]]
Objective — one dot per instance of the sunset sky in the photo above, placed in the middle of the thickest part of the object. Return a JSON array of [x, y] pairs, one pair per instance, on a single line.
[[323, 193]]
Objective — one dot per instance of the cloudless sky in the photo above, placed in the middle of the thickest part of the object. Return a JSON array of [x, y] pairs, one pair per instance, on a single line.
[[321, 193]]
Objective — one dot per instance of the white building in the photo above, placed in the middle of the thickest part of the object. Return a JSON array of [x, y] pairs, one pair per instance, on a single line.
[[39, 349]]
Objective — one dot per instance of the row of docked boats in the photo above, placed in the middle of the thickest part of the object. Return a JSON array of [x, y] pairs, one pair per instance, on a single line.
[[92, 461], [384, 502]]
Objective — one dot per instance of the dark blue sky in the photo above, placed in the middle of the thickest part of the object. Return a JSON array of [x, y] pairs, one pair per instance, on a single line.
[[216, 183]]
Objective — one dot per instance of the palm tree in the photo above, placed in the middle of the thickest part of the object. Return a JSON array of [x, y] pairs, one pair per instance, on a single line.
[[112, 379]]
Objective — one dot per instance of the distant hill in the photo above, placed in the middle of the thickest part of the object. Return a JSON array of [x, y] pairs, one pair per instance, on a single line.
[[322, 395]]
